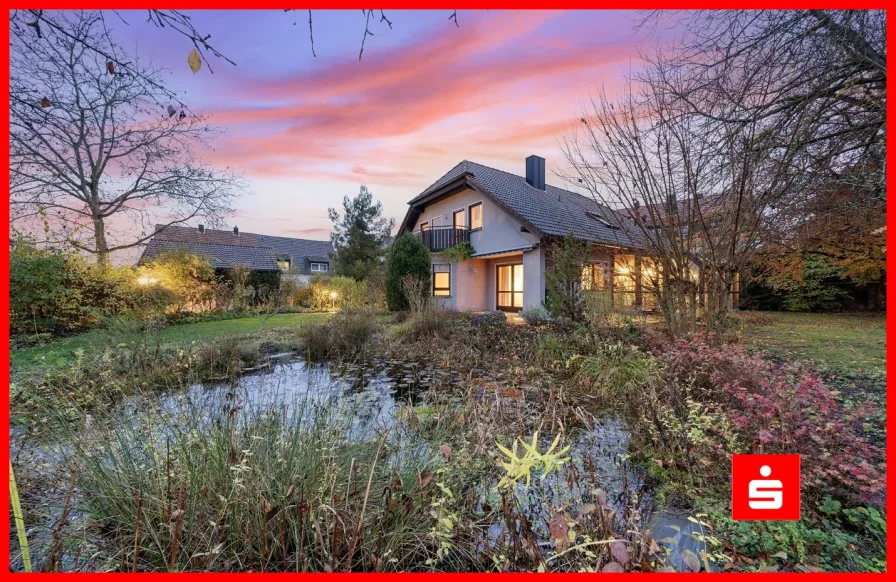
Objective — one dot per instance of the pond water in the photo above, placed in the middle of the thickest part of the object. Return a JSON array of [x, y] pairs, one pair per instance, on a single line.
[[373, 397]]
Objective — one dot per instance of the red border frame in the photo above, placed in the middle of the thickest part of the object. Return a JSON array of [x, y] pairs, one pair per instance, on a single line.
[[614, 4]]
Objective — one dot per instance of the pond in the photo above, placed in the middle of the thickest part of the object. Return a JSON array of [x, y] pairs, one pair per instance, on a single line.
[[372, 398]]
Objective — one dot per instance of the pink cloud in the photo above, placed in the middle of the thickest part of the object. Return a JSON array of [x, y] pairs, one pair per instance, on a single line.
[[302, 124]]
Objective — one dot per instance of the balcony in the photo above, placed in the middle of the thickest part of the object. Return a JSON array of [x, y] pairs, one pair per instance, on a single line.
[[439, 238]]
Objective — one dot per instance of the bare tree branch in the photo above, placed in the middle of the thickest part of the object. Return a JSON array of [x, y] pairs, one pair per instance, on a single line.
[[94, 149]]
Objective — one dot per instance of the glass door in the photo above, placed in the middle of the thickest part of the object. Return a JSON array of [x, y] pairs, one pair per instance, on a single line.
[[510, 287]]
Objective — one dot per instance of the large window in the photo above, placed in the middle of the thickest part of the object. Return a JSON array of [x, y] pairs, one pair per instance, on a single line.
[[624, 281], [319, 267], [476, 216], [510, 287], [284, 264], [459, 217], [441, 280]]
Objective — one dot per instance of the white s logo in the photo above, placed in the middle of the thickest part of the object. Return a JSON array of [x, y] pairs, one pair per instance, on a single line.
[[766, 493]]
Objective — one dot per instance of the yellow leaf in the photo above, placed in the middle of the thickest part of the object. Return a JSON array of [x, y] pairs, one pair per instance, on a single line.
[[194, 60]]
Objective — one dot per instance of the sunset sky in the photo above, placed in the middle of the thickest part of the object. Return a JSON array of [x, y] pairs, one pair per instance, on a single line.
[[305, 130]]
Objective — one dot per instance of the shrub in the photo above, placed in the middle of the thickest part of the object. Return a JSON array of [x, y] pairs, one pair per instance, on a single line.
[[564, 280], [350, 294], [536, 315], [416, 292], [777, 408], [52, 291], [189, 278], [408, 256], [599, 307]]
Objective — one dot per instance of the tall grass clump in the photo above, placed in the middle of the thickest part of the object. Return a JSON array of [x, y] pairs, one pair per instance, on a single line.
[[345, 336], [614, 370], [306, 485]]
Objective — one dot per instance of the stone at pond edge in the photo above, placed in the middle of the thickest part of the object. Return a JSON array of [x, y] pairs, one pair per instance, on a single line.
[[497, 318]]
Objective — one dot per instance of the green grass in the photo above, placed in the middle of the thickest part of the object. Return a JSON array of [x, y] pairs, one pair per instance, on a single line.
[[852, 343], [61, 352]]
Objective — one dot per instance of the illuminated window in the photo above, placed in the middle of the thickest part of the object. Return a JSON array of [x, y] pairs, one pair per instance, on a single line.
[[284, 264], [459, 218], [476, 216], [441, 280], [594, 277]]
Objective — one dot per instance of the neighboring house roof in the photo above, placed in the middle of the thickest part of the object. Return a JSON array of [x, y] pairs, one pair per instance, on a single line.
[[302, 252], [552, 211], [220, 256], [226, 248], [189, 234]]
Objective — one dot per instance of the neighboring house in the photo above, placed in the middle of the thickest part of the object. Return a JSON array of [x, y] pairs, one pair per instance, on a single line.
[[511, 221], [298, 255], [226, 249]]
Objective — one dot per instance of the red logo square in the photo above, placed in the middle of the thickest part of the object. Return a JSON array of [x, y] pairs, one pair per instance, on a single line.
[[765, 487]]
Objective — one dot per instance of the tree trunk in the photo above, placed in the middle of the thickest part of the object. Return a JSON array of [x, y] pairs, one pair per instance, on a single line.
[[99, 237]]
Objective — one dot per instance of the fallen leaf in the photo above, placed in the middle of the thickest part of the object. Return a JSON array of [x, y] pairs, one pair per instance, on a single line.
[[619, 551], [690, 560], [558, 526], [194, 60], [612, 567], [585, 510], [446, 452], [559, 531], [423, 479]]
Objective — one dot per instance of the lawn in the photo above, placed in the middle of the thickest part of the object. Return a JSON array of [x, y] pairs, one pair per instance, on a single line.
[[852, 343], [60, 352]]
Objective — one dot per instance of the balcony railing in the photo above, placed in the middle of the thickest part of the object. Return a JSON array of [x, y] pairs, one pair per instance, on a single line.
[[439, 238]]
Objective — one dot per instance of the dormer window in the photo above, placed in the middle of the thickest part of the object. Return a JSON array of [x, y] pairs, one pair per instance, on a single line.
[[320, 267], [284, 264], [601, 219]]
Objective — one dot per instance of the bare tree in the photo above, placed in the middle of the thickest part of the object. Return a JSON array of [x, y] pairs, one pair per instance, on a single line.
[[815, 82], [99, 150], [691, 192], [817, 76]]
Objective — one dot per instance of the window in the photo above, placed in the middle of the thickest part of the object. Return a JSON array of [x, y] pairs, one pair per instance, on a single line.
[[441, 280], [424, 225], [594, 277], [510, 287], [601, 220], [284, 264], [459, 218], [320, 267], [476, 216]]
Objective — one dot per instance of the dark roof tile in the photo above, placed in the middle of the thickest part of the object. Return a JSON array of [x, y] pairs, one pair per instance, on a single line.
[[257, 258]]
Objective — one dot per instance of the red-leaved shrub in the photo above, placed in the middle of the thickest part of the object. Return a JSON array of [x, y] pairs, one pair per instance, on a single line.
[[781, 409]]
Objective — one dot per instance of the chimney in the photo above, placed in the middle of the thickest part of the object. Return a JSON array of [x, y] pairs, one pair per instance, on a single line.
[[236, 231], [201, 228], [535, 172]]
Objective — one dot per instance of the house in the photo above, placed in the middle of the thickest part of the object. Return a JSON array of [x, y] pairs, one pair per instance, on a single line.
[[511, 222], [225, 249]]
